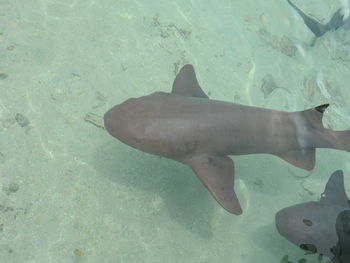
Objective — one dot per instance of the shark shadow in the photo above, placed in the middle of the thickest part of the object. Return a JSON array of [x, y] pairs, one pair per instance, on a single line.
[[164, 179], [338, 19]]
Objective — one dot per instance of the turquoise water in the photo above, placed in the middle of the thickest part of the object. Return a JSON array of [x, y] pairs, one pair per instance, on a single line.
[[69, 192]]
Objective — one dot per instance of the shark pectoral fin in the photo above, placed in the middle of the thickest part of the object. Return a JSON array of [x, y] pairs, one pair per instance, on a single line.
[[216, 173], [186, 84], [335, 190], [304, 159]]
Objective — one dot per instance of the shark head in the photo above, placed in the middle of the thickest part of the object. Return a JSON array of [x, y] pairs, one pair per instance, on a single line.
[[312, 225], [127, 121], [119, 121]]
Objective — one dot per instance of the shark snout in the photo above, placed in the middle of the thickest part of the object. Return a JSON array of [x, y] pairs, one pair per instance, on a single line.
[[118, 117], [281, 221], [117, 120], [287, 225], [125, 122], [110, 121]]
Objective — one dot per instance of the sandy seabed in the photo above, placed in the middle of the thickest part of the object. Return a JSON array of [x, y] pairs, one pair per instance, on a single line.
[[69, 192]]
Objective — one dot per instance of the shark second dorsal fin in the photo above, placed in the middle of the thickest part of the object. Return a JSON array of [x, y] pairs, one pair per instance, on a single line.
[[322, 108], [217, 174], [314, 116], [186, 84], [335, 190], [305, 157]]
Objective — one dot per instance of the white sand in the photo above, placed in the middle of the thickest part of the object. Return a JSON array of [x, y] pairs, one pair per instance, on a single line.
[[85, 197]]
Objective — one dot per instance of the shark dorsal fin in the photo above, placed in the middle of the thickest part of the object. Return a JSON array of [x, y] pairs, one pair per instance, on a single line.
[[186, 84], [335, 190]]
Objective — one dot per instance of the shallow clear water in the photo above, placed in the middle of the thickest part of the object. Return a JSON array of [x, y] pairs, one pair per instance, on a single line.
[[69, 192]]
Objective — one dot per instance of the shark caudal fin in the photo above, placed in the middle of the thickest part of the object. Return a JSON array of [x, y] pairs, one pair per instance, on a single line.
[[304, 156]]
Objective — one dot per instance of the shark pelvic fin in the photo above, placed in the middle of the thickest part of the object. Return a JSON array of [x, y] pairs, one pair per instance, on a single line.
[[186, 84], [216, 173], [304, 158]]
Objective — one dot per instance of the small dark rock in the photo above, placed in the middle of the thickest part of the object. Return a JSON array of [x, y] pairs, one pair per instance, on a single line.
[[3, 75], [10, 48], [13, 188], [22, 120]]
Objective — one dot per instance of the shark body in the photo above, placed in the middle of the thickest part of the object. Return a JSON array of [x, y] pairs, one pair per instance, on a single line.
[[342, 249], [321, 227], [186, 126]]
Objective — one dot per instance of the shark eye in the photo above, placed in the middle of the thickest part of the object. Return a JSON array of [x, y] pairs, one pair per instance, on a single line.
[[309, 247], [307, 222]]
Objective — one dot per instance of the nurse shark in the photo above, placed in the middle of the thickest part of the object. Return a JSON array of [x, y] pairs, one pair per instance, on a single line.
[[322, 226], [188, 127]]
